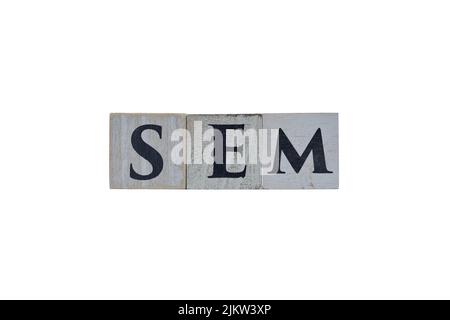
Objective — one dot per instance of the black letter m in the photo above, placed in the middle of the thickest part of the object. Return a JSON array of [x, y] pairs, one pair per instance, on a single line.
[[315, 146]]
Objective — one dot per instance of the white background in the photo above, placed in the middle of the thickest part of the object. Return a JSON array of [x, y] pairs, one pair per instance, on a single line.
[[383, 65]]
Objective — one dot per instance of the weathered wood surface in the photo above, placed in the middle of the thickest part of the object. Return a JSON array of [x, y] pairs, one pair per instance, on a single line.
[[122, 154], [197, 174], [303, 152], [300, 128]]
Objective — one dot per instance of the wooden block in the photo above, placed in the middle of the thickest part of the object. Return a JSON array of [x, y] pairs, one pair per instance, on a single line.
[[140, 151], [308, 158], [215, 175]]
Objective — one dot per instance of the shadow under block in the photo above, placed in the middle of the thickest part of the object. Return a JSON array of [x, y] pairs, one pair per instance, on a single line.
[[200, 176], [300, 129], [124, 157]]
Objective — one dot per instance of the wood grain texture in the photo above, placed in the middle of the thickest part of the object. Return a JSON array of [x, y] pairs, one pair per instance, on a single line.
[[300, 128], [197, 174], [122, 153]]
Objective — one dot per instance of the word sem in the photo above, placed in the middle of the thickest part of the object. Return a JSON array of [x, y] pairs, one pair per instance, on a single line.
[[255, 151]]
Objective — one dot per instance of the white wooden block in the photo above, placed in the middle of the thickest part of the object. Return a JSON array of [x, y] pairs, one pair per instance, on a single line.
[[320, 169], [204, 176], [140, 151]]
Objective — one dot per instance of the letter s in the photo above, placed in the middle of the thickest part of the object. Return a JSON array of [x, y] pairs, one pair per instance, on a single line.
[[146, 152]]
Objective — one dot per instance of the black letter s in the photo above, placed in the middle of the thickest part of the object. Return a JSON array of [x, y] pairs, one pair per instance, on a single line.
[[146, 152]]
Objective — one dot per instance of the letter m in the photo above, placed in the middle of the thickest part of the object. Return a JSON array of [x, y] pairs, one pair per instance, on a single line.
[[315, 146]]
